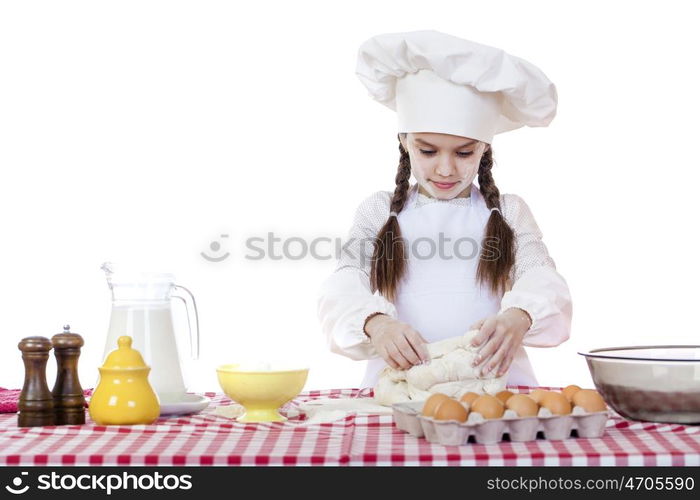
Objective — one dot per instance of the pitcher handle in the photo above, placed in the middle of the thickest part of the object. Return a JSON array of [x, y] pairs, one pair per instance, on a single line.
[[194, 339]]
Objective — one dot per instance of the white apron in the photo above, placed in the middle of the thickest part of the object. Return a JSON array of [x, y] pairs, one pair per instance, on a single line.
[[440, 296]]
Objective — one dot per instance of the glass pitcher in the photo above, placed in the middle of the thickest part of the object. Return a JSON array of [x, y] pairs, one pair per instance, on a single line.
[[141, 309]]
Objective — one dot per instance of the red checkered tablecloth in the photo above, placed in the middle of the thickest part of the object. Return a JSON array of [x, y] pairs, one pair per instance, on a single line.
[[207, 438]]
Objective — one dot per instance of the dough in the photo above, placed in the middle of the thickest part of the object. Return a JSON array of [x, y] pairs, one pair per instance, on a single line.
[[450, 372]]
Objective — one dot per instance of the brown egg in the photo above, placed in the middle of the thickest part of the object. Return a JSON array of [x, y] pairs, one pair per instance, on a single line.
[[537, 395], [556, 402], [503, 396], [570, 390], [451, 409], [432, 403], [468, 397], [523, 405], [489, 406], [589, 400]]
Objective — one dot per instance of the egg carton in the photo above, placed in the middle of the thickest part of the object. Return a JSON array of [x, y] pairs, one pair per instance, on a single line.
[[408, 418]]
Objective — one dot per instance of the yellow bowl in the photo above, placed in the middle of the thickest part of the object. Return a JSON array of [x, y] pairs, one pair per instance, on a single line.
[[261, 393]]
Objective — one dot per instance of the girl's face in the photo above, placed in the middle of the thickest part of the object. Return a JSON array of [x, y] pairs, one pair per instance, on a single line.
[[444, 165]]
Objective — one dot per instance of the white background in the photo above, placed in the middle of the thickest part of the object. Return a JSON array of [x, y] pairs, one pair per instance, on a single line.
[[139, 132]]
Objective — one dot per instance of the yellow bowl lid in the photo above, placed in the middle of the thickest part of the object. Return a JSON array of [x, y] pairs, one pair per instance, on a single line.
[[124, 357]]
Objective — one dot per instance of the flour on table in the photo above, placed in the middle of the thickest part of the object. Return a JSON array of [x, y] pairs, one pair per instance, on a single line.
[[230, 411], [319, 410]]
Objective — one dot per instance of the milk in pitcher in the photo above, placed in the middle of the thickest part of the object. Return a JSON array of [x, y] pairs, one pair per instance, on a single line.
[[151, 328]]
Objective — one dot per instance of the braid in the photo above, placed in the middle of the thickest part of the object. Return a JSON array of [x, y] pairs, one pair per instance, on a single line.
[[487, 186], [389, 257], [403, 174], [498, 253]]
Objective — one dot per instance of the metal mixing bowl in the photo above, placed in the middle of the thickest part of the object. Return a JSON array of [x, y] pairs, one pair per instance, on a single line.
[[652, 383]]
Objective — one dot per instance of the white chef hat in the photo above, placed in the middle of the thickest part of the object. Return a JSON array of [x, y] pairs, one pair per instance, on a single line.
[[440, 83]]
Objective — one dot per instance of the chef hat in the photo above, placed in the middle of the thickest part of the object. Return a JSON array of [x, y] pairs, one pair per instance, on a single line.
[[440, 83]]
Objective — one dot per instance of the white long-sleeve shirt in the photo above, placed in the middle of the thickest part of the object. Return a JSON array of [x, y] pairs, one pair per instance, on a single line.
[[345, 299]]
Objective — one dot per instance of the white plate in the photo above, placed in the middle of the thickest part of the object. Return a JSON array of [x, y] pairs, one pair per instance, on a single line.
[[190, 403]]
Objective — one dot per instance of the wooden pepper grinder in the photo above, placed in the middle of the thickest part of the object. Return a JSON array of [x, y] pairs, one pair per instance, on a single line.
[[68, 398], [35, 400]]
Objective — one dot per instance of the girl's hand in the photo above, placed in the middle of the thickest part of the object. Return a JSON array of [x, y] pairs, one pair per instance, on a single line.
[[397, 343], [500, 337]]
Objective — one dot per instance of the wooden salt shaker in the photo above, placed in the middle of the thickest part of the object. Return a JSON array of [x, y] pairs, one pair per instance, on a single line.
[[68, 398], [35, 400]]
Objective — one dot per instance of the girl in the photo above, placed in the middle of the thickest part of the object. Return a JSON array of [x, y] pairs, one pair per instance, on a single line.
[[434, 259]]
